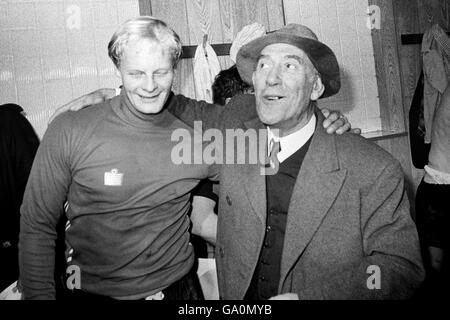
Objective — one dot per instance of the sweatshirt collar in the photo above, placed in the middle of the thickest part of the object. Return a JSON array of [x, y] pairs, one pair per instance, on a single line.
[[127, 112]]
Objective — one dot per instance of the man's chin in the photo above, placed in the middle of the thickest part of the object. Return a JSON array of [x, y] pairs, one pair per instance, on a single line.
[[150, 109], [268, 121]]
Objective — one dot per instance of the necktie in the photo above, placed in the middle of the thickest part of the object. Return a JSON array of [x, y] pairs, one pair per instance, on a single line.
[[272, 167]]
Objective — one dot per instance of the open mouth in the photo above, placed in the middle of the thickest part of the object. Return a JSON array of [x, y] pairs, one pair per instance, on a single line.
[[148, 98], [273, 97]]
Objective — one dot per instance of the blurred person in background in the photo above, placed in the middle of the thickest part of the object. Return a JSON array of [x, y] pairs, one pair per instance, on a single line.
[[18, 146], [432, 209]]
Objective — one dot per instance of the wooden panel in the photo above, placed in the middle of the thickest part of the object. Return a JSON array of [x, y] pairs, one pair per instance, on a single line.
[[202, 19], [220, 19], [448, 15], [416, 17], [388, 70], [145, 7], [225, 62], [407, 20], [396, 76], [292, 11], [431, 12], [184, 80], [249, 11], [407, 16], [227, 20], [275, 14], [174, 12]]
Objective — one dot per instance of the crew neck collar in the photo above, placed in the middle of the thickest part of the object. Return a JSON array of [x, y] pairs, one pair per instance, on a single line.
[[127, 112]]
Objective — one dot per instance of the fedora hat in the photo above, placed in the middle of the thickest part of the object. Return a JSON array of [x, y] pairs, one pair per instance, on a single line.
[[321, 56]]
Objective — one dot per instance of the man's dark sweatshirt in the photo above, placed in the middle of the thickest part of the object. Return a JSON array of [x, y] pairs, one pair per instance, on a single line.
[[128, 228]]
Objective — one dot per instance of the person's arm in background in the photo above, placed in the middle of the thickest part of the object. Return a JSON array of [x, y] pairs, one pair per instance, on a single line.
[[439, 156], [437, 175], [41, 210], [190, 110], [203, 215], [204, 220]]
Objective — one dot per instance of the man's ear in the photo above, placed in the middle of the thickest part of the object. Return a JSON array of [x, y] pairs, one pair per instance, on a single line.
[[318, 89]]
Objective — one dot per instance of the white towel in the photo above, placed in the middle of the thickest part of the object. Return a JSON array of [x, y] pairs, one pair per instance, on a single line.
[[247, 34], [207, 275], [11, 293], [206, 68]]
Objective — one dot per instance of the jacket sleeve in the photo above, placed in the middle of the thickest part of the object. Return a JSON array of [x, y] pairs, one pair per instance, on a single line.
[[190, 110], [390, 245], [41, 210]]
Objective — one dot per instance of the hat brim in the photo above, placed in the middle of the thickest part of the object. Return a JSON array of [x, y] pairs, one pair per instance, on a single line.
[[321, 56]]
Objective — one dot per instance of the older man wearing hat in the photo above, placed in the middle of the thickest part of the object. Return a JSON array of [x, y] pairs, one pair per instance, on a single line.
[[333, 222]]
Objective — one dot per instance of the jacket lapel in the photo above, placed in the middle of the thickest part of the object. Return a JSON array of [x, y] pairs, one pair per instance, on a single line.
[[315, 190], [255, 182]]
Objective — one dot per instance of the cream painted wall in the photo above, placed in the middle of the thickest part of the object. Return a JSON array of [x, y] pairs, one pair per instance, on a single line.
[[343, 26], [55, 50]]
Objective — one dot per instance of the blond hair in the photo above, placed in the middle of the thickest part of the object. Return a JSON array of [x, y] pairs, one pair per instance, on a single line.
[[144, 27]]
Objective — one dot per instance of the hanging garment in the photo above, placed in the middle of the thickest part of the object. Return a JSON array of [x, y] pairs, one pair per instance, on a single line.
[[206, 67], [436, 68], [419, 149], [247, 34]]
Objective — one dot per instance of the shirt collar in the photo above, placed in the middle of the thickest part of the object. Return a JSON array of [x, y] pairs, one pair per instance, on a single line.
[[291, 143]]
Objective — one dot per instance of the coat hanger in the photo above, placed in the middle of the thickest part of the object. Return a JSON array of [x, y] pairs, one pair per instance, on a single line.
[[205, 40], [221, 49]]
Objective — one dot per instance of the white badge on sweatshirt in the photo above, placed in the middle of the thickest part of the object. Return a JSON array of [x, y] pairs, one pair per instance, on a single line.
[[113, 178]]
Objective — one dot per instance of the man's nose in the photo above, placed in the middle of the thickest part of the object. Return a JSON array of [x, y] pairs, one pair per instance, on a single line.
[[273, 76], [149, 84]]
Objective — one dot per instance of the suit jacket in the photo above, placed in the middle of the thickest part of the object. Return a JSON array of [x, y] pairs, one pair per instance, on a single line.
[[348, 229]]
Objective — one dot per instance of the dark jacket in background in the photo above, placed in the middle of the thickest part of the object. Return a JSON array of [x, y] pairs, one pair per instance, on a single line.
[[18, 145], [419, 148]]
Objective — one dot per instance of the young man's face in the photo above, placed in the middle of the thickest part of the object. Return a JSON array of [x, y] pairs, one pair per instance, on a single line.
[[285, 81], [147, 74]]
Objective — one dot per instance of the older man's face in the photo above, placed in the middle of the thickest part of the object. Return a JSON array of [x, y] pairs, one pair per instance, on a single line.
[[285, 81], [147, 74]]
